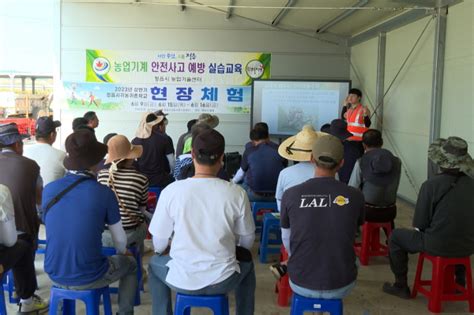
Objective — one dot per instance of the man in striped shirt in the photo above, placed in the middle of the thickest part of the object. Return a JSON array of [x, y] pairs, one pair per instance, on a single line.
[[130, 188]]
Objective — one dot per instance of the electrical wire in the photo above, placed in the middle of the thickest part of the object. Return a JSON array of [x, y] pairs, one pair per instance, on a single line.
[[404, 63], [388, 136]]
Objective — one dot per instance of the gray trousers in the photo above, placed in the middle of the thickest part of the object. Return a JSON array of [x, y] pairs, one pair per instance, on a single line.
[[123, 269]]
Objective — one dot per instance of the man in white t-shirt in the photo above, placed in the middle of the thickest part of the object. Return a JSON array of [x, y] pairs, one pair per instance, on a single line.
[[49, 159], [213, 232]]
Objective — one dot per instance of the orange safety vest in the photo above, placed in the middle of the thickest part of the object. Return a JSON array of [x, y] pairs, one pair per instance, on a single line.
[[355, 123]]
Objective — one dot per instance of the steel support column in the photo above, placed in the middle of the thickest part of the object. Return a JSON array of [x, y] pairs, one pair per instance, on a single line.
[[380, 84], [438, 73], [33, 86]]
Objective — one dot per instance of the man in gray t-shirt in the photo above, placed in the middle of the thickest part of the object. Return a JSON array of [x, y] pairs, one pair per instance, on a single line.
[[319, 219], [377, 175]]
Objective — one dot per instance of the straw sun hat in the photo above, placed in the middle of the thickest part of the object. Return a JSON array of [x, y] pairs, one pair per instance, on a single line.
[[119, 148], [299, 147]]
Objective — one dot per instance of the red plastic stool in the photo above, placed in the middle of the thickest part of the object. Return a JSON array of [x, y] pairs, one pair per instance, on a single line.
[[370, 245], [282, 287], [152, 201], [151, 205], [443, 284]]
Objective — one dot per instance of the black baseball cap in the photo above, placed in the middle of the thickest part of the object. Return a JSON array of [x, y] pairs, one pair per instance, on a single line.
[[209, 144], [45, 125]]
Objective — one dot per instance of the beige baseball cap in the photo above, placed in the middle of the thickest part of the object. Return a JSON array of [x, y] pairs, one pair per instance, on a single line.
[[328, 150]]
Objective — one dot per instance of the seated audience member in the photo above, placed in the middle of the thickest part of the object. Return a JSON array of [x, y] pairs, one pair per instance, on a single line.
[[296, 148], [165, 121], [182, 139], [325, 128], [257, 128], [22, 177], [129, 186], [157, 160], [184, 167], [377, 175], [211, 120], [260, 167], [49, 159], [108, 137], [442, 223], [92, 120], [338, 128], [16, 254], [102, 165], [76, 209], [184, 160], [81, 123], [203, 258], [325, 212]]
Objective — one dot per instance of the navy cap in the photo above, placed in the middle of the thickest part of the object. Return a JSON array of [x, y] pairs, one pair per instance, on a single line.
[[9, 134], [45, 125]]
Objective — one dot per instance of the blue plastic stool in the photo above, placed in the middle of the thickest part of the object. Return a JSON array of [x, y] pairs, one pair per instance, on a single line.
[[156, 190], [41, 247], [301, 304], [271, 224], [90, 297], [260, 208], [8, 283], [3, 306], [110, 251], [219, 304]]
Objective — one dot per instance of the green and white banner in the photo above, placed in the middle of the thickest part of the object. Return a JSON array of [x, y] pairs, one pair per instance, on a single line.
[[176, 67], [175, 81]]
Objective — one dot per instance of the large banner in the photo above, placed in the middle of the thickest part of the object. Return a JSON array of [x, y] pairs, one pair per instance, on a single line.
[[149, 97], [175, 81], [176, 67]]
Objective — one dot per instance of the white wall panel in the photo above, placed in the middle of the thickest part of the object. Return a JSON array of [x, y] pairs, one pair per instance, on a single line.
[[151, 27]]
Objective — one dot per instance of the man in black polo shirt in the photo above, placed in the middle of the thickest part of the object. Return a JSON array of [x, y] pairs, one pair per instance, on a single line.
[[319, 219]]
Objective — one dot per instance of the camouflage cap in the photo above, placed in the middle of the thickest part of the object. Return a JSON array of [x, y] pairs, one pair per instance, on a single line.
[[451, 153]]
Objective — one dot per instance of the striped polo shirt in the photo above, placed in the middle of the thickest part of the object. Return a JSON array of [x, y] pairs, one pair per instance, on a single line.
[[132, 189]]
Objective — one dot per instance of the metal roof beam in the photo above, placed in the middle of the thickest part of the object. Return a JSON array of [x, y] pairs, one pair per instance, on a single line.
[[390, 25], [183, 6], [428, 3], [283, 12], [230, 9], [341, 16]]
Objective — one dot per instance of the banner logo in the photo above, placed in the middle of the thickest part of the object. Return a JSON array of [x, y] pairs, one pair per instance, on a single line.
[[255, 69], [101, 66]]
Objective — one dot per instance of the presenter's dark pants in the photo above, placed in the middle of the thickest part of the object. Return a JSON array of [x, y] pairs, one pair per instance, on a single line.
[[405, 241], [353, 150], [19, 257]]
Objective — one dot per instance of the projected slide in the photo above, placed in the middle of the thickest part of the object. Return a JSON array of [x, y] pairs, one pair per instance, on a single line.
[[286, 106]]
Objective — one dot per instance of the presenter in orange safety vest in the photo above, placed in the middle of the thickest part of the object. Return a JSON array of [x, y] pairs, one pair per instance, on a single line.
[[358, 121]]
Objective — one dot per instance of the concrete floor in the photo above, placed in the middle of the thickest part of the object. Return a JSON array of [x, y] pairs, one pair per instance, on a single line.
[[367, 298]]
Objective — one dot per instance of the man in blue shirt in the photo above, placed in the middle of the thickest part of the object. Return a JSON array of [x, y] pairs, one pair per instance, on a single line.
[[262, 165], [75, 222]]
